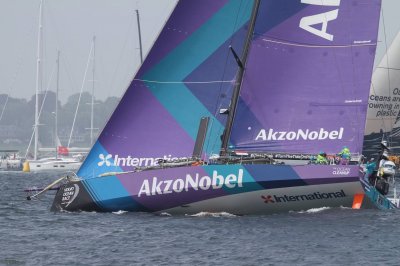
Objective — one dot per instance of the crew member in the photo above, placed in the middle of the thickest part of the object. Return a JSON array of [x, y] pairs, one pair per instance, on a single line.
[[370, 166], [321, 158], [345, 155], [384, 159]]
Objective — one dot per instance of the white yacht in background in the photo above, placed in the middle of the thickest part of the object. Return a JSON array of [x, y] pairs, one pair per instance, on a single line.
[[61, 158], [53, 163]]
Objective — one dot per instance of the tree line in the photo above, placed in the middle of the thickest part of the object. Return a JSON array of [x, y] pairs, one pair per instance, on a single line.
[[16, 124]]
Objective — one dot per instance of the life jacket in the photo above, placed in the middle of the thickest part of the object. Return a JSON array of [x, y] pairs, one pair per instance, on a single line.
[[345, 153], [321, 159]]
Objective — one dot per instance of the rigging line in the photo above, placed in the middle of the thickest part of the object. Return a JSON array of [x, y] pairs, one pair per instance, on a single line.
[[112, 81], [65, 62], [128, 86], [320, 46], [80, 94], [41, 108], [220, 99], [185, 82], [14, 79], [239, 79], [17, 71], [387, 56], [4, 107], [389, 68]]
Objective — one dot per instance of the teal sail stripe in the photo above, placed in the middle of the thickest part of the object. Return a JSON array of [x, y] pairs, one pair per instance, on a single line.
[[188, 56], [101, 188]]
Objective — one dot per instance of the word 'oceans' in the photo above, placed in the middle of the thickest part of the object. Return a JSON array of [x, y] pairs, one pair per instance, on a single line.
[[159, 187]]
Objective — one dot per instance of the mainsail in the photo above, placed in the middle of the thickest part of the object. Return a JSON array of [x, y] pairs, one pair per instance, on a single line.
[[187, 75], [306, 84]]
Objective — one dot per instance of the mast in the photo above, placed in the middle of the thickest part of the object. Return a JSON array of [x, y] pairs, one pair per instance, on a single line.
[[240, 74], [56, 112], [140, 36], [92, 104], [38, 80], [80, 95]]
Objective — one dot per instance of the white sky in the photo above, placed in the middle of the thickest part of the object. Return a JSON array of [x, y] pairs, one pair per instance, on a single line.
[[69, 25]]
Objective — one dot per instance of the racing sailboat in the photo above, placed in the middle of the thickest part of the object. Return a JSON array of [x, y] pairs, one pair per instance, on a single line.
[[229, 106]]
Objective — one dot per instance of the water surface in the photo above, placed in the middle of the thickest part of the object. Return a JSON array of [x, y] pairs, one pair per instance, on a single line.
[[32, 235]]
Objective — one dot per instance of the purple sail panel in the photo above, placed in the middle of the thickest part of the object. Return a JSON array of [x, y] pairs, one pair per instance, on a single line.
[[186, 76], [307, 78]]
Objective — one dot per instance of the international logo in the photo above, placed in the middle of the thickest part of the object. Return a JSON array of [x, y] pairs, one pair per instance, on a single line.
[[303, 197], [104, 160], [268, 199], [300, 134], [116, 160], [160, 186]]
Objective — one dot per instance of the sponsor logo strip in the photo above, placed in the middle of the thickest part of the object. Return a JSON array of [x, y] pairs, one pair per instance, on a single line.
[[303, 197], [300, 134]]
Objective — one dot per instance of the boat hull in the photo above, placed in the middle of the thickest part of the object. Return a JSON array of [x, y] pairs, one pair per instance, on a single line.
[[37, 166], [237, 189], [375, 199], [10, 164]]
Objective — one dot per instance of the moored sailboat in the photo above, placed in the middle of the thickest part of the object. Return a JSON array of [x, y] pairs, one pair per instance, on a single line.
[[299, 86]]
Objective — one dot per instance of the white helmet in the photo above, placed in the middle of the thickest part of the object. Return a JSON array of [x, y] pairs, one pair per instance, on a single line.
[[384, 144]]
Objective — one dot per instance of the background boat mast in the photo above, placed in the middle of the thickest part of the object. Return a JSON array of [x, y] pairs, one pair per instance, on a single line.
[[92, 104], [139, 35], [38, 79], [56, 111]]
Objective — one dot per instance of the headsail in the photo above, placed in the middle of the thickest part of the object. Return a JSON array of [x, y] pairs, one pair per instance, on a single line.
[[383, 116], [307, 77], [186, 76]]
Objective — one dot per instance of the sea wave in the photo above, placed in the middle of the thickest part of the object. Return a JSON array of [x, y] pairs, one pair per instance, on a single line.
[[315, 210], [212, 214], [165, 214], [119, 212]]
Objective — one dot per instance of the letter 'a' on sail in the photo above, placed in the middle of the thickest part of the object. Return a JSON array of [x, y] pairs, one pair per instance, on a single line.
[[188, 74], [307, 78]]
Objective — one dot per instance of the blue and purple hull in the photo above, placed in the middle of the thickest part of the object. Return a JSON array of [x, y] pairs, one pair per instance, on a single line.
[[237, 189]]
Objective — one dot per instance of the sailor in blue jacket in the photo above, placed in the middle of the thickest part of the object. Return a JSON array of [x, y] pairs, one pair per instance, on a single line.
[[370, 167]]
